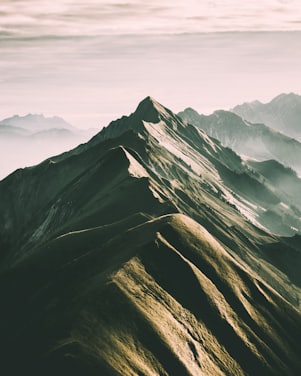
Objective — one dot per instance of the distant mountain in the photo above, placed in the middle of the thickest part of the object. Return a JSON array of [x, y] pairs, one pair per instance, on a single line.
[[283, 113], [11, 132], [148, 251], [36, 123], [252, 140], [29, 139]]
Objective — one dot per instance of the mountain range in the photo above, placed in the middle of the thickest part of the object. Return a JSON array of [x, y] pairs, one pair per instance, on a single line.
[[255, 141], [36, 123], [150, 250], [283, 113], [26, 140]]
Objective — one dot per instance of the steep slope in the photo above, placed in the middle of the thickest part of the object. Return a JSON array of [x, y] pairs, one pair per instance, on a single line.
[[120, 308], [283, 113], [253, 140], [285, 180], [140, 253]]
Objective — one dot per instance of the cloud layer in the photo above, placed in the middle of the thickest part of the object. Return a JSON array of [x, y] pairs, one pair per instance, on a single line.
[[94, 17], [91, 60]]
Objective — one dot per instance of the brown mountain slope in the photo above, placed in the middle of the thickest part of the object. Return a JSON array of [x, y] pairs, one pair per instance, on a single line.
[[162, 298]]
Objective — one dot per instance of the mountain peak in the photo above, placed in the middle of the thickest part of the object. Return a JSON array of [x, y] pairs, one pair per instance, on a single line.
[[150, 110], [148, 101], [286, 98]]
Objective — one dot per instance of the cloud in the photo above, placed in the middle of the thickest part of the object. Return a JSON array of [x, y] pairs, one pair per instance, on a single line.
[[94, 17]]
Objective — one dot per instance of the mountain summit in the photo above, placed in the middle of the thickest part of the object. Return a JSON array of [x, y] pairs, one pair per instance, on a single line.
[[150, 250], [149, 110]]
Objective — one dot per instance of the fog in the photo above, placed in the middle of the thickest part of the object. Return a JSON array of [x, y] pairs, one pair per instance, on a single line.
[[19, 152]]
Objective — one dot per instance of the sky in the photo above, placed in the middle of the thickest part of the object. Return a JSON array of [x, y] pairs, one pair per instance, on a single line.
[[93, 61], [94, 17]]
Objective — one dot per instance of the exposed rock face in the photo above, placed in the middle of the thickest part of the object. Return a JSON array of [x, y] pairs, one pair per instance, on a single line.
[[148, 251]]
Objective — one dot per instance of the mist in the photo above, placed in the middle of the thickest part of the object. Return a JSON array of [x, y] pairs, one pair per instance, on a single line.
[[24, 151]]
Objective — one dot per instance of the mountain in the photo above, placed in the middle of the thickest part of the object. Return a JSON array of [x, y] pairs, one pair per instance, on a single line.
[[12, 132], [145, 252], [255, 141], [283, 113], [26, 140], [283, 179], [36, 123]]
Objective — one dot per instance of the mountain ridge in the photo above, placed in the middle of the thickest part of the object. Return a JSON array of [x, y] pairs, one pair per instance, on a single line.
[[136, 254], [37, 122], [281, 113], [256, 141]]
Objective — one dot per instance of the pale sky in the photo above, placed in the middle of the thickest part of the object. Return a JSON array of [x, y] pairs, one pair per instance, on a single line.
[[92, 61]]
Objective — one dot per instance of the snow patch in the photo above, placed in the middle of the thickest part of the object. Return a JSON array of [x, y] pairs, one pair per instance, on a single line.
[[246, 208], [179, 148], [210, 142], [285, 206], [135, 168]]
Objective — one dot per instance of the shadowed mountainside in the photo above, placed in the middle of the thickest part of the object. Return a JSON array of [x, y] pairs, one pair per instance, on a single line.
[[145, 252], [255, 141]]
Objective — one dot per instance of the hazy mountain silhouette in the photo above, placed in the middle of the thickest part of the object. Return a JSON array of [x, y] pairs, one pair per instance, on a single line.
[[26, 140], [252, 140], [37, 123], [283, 113], [148, 251]]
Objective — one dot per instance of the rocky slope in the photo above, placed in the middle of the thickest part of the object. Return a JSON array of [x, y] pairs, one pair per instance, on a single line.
[[146, 252], [255, 141]]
